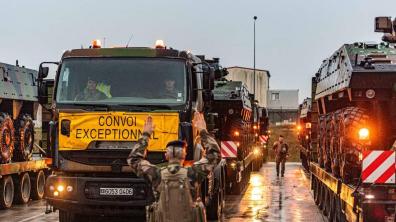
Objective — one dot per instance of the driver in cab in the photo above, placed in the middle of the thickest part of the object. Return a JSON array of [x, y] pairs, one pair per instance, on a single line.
[[90, 93]]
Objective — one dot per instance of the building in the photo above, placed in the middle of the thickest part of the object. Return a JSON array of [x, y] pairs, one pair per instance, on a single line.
[[282, 106], [237, 73]]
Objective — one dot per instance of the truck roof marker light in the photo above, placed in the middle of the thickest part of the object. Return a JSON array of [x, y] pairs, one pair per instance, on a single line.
[[96, 44], [364, 134], [160, 44]]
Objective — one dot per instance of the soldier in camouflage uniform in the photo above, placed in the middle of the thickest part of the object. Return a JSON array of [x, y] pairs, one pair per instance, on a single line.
[[178, 204], [281, 150]]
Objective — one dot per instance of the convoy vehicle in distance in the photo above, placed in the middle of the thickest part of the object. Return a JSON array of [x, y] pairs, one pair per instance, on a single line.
[[304, 124], [234, 131], [101, 98], [354, 107], [22, 171]]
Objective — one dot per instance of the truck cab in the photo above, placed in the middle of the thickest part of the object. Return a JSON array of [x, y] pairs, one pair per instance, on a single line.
[[101, 99]]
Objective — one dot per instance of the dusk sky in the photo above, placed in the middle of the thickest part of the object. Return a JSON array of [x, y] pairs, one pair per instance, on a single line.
[[293, 37]]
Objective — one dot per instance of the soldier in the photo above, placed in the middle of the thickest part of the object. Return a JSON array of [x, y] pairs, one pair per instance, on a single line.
[[169, 90], [90, 93], [281, 150], [174, 185]]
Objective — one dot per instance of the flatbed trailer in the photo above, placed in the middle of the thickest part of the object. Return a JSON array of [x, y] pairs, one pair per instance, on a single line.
[[343, 202], [22, 181]]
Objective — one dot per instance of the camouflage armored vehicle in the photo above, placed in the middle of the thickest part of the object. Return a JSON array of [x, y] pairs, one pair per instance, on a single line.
[[356, 94], [354, 135], [22, 172]]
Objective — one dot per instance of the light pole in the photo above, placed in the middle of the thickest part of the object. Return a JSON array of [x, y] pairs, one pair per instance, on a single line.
[[254, 58]]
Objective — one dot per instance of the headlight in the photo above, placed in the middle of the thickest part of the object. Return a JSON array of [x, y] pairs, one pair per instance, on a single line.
[[60, 188], [256, 151], [364, 134], [233, 165], [369, 196], [69, 188]]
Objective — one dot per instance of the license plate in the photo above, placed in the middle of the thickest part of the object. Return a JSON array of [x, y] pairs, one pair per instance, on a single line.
[[116, 191]]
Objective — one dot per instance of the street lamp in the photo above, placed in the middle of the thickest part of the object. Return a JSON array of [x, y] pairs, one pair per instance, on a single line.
[[254, 58]]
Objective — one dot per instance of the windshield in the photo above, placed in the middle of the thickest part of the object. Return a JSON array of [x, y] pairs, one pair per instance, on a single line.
[[126, 81]]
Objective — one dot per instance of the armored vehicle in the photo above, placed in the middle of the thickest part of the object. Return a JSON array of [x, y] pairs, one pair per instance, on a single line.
[[234, 127], [304, 131], [102, 97], [354, 108], [22, 171]]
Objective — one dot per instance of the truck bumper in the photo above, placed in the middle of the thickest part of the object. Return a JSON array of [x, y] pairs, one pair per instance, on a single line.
[[82, 195]]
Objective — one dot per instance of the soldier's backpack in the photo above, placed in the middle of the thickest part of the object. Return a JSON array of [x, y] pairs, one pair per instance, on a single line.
[[175, 201]]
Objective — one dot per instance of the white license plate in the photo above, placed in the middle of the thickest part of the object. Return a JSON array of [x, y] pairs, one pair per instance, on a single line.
[[116, 191]]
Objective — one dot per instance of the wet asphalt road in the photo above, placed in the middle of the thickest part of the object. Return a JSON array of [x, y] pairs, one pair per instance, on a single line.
[[266, 199]]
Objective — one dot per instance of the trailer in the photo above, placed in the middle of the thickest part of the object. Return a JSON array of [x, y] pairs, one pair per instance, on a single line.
[[22, 171], [353, 131], [345, 202]]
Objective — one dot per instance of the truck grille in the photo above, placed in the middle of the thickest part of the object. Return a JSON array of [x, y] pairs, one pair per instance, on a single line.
[[92, 191]]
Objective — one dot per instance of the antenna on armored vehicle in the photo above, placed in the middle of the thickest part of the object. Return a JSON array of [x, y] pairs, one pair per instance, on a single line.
[[386, 25]]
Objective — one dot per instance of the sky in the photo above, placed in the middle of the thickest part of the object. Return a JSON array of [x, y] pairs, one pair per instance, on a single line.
[[292, 36]]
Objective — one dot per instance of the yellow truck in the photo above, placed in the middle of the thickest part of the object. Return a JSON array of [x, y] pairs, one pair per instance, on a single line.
[[101, 98]]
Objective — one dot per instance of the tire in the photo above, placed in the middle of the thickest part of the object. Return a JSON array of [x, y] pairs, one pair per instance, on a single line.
[[316, 192], [236, 188], [22, 188], [352, 119], [6, 192], [331, 216], [24, 138], [7, 138], [322, 142], [213, 210], [321, 197], [65, 216], [256, 164], [334, 145], [326, 205], [38, 185]]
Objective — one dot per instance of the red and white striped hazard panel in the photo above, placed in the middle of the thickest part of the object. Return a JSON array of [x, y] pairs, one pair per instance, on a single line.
[[263, 138], [379, 166], [228, 149]]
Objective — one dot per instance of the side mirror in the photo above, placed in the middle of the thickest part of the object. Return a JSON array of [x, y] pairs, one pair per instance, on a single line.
[[43, 72], [209, 78], [211, 120], [44, 84]]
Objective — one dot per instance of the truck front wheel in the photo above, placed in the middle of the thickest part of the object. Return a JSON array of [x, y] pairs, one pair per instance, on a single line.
[[65, 216], [213, 211]]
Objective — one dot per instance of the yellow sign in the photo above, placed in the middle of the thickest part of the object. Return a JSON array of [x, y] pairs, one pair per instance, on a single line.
[[86, 128]]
